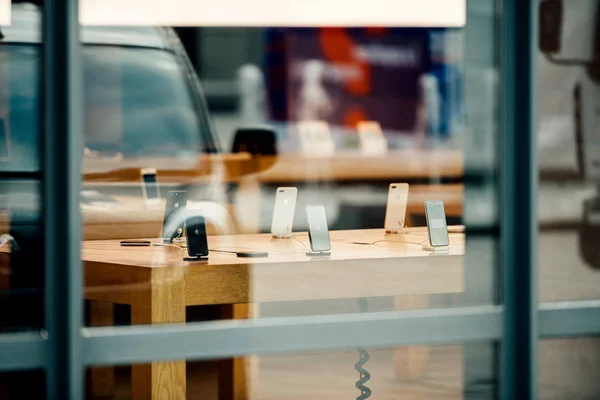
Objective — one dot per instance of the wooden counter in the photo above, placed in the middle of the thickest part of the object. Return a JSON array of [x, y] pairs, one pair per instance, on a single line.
[[395, 166]]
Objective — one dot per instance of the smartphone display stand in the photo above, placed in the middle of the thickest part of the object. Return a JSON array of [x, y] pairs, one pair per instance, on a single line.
[[197, 258], [318, 253], [428, 247], [398, 231], [282, 236]]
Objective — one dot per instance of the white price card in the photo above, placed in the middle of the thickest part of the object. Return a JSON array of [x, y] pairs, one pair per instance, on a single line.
[[371, 138], [315, 139]]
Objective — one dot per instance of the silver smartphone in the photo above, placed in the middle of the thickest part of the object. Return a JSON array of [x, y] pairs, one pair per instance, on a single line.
[[318, 233], [436, 223], [283, 212], [395, 212], [150, 185]]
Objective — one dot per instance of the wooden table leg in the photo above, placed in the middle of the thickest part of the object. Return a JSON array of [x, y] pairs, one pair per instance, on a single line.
[[237, 375], [411, 361], [163, 301], [102, 379]]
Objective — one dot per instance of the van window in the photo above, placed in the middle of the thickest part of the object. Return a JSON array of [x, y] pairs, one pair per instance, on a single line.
[[19, 108], [137, 103]]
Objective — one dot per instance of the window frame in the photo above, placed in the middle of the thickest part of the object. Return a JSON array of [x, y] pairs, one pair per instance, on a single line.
[[65, 347]]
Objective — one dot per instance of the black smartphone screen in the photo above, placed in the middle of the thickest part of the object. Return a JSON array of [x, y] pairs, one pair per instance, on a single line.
[[195, 230], [174, 213], [318, 233], [151, 186]]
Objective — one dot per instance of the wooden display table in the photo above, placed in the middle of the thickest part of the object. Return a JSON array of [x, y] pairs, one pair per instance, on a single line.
[[395, 166], [158, 284], [344, 166], [203, 168]]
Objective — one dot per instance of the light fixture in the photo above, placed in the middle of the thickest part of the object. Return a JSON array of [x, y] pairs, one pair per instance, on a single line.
[[397, 13]]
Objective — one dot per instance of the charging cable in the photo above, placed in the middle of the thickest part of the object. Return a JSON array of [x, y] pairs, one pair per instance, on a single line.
[[363, 357], [222, 251], [168, 245], [387, 240], [232, 250]]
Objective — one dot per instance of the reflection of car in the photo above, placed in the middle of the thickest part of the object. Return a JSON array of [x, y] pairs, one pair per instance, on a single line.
[[142, 97], [143, 105], [142, 102]]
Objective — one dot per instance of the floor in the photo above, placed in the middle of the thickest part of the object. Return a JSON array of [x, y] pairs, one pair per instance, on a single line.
[[568, 371], [328, 376]]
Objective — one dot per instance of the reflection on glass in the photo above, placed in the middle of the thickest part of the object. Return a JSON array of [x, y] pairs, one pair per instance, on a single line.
[[568, 193], [568, 203], [142, 112], [334, 115], [138, 101], [19, 107], [21, 219]]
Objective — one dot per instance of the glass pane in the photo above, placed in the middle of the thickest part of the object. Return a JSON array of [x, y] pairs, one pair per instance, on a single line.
[[369, 123], [567, 125], [568, 255], [336, 117], [233, 143], [21, 216], [425, 372], [565, 368]]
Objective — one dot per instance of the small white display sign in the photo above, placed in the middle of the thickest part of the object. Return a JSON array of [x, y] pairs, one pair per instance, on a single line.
[[371, 139], [315, 139]]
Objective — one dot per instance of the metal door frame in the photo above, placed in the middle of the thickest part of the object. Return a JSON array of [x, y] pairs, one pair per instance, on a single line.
[[65, 347]]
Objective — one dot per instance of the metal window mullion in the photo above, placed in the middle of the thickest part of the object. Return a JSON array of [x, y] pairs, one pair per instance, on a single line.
[[569, 319], [62, 174], [111, 346], [224, 339], [22, 351], [518, 167]]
